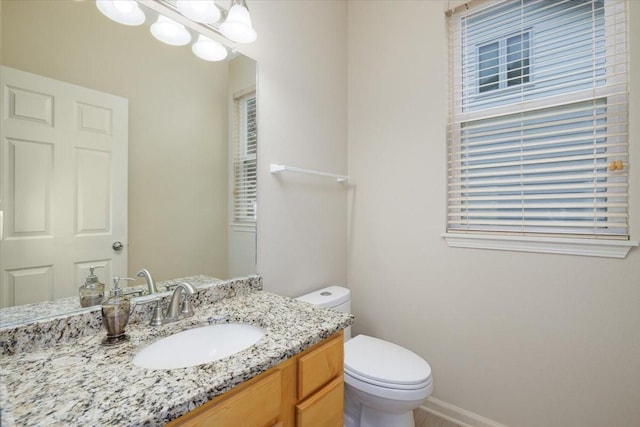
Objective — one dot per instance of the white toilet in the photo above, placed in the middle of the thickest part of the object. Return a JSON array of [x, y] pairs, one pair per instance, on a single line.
[[384, 382]]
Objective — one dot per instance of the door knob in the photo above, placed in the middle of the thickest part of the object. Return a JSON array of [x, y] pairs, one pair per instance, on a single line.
[[117, 246]]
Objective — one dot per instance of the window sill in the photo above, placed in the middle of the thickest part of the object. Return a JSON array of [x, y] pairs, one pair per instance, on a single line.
[[547, 245]]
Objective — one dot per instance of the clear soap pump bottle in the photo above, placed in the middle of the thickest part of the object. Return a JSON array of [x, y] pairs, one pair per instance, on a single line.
[[115, 315], [92, 291]]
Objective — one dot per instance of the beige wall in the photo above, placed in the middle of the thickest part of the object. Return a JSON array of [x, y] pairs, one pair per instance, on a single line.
[[241, 246], [302, 120], [521, 339], [177, 125]]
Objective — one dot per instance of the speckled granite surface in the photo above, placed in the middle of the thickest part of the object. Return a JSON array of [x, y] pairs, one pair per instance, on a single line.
[[83, 383], [42, 325], [28, 313]]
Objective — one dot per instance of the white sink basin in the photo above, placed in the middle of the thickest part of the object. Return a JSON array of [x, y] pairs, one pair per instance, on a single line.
[[197, 346]]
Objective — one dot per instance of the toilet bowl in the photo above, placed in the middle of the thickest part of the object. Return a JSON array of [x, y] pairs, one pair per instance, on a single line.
[[384, 382]]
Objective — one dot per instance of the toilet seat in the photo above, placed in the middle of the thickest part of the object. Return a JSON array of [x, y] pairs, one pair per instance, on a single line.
[[384, 384], [416, 395], [384, 364]]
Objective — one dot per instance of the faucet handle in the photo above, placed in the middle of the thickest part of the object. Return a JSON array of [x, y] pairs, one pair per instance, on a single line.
[[186, 308], [157, 317]]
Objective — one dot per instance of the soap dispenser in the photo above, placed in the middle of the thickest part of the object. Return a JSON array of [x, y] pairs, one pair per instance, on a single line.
[[115, 315], [92, 291]]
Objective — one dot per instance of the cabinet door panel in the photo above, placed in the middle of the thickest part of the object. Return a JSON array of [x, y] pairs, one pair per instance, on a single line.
[[258, 405], [324, 408], [319, 366]]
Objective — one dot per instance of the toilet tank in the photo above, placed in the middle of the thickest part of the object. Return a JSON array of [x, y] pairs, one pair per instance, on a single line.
[[335, 298]]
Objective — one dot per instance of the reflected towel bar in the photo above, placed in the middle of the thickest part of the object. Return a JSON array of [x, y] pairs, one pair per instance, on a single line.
[[275, 168]]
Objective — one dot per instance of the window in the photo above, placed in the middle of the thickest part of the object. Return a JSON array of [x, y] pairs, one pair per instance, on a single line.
[[537, 135], [503, 63], [245, 159]]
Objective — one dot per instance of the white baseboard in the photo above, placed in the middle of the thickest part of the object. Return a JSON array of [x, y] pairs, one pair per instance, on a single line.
[[457, 415]]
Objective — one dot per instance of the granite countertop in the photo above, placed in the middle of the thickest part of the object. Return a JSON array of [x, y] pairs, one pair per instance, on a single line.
[[13, 316], [84, 383]]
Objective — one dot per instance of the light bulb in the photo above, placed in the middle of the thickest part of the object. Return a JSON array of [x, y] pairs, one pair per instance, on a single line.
[[208, 49], [124, 7], [170, 32], [237, 26], [125, 12], [204, 11]]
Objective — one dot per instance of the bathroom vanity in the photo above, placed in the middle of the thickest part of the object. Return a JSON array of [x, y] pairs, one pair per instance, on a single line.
[[291, 376], [305, 391]]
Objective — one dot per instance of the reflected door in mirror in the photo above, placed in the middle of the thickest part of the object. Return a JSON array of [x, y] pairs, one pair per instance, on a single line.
[[64, 186]]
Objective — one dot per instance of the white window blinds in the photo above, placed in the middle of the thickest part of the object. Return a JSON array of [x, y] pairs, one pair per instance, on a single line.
[[245, 159], [537, 134]]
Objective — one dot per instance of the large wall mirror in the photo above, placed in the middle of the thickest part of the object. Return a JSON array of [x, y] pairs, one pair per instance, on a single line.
[[179, 173]]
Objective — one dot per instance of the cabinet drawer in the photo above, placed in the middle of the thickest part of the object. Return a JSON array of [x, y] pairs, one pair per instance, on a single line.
[[257, 405], [319, 366], [324, 408]]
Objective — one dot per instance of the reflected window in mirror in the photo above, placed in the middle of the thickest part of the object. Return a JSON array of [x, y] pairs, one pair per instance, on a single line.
[[245, 142]]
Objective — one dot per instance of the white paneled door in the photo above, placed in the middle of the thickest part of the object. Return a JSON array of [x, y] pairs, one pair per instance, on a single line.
[[63, 190]]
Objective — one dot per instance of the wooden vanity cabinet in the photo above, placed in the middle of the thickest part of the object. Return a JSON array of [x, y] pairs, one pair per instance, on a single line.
[[303, 391], [321, 385]]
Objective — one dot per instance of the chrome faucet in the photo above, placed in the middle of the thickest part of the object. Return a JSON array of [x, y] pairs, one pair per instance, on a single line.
[[178, 307], [150, 283], [157, 318]]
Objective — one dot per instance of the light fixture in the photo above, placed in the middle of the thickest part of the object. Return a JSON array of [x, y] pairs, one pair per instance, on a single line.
[[209, 50], [204, 11], [125, 12], [170, 32], [237, 26]]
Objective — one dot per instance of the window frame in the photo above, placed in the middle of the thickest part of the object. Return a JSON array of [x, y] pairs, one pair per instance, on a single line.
[[591, 246], [242, 155]]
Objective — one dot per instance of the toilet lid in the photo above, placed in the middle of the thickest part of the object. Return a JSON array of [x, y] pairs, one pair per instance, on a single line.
[[384, 362]]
